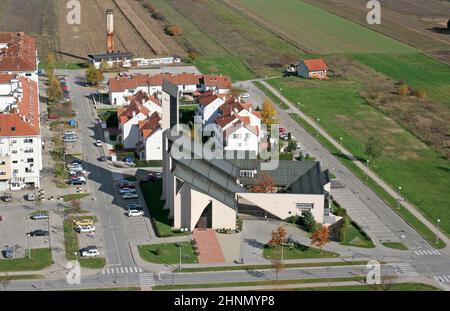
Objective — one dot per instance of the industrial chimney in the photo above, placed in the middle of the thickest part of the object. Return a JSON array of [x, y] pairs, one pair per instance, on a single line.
[[110, 30]]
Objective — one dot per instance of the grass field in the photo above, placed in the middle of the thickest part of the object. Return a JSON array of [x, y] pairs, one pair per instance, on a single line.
[[40, 258], [417, 70], [152, 193], [402, 287], [423, 230], [225, 64], [317, 30], [354, 238], [407, 162], [168, 253], [299, 251], [396, 245]]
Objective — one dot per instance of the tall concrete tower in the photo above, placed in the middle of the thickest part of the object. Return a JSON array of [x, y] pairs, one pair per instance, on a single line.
[[110, 31]]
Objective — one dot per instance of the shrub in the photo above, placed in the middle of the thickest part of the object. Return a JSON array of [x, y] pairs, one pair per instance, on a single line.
[[158, 15], [193, 55], [421, 93], [174, 31], [403, 90]]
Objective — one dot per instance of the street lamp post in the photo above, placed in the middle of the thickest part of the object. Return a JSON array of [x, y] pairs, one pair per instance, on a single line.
[[437, 231], [400, 192], [340, 144], [318, 124], [179, 266], [367, 172], [381, 251]]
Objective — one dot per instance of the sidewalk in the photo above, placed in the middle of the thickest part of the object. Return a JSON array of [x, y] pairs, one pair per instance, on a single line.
[[360, 165]]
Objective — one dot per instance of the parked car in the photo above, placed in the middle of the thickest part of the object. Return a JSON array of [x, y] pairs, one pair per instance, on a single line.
[[135, 213], [127, 185], [127, 190], [75, 161], [245, 95], [8, 252], [85, 229], [39, 216], [38, 232], [98, 143], [7, 197], [30, 196], [128, 159], [84, 222], [76, 182], [102, 158], [126, 196], [90, 251], [158, 176], [70, 139], [135, 206]]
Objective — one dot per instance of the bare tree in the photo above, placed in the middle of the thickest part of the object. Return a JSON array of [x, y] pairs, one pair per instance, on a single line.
[[5, 280]]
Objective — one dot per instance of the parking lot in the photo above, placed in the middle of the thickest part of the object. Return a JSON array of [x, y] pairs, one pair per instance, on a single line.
[[15, 225]]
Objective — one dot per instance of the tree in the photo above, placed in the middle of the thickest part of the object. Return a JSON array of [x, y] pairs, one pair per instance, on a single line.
[[344, 228], [104, 65], [292, 146], [174, 31], [278, 266], [264, 184], [50, 65], [76, 205], [374, 148], [158, 15], [403, 90], [5, 280], [278, 237], [320, 237], [309, 222], [54, 91], [93, 75], [268, 113]]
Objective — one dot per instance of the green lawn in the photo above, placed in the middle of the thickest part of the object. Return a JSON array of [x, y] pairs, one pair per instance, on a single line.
[[163, 225], [401, 287], [423, 230], [271, 95], [318, 30], [169, 253], [40, 258], [286, 265], [224, 64], [406, 161], [354, 237], [75, 196], [396, 245], [257, 283], [71, 247], [417, 70], [299, 251], [21, 277]]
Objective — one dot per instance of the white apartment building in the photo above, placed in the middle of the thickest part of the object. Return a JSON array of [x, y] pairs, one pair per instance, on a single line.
[[20, 141]]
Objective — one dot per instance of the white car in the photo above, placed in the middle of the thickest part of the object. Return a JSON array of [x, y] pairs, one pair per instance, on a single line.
[[129, 196], [90, 251], [85, 229], [135, 213], [98, 143]]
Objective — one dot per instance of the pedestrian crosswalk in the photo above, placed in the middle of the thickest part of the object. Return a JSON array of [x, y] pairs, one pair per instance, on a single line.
[[122, 270], [443, 278], [426, 252], [146, 279], [406, 269]]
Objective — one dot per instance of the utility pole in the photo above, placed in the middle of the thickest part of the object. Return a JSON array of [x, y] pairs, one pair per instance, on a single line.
[[437, 231]]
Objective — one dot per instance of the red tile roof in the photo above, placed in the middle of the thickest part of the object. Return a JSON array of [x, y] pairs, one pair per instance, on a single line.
[[315, 64], [24, 119], [150, 126], [134, 108], [142, 97], [120, 84], [20, 53], [6, 78]]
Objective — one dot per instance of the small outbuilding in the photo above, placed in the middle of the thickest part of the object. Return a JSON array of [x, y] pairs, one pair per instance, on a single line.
[[312, 69]]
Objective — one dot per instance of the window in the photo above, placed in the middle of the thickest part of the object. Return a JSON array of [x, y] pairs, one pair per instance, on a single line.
[[28, 150], [246, 174], [13, 128], [304, 206], [28, 140], [13, 141], [2, 172], [30, 160], [2, 162], [247, 135], [14, 151], [236, 136], [15, 171], [14, 162]]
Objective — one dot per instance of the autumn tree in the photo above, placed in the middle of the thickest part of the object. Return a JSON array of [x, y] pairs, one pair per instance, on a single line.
[[5, 280], [54, 91], [278, 237], [50, 65], [104, 65], [93, 75], [174, 31], [278, 266], [264, 184], [268, 113], [374, 148], [403, 90], [76, 205], [320, 237]]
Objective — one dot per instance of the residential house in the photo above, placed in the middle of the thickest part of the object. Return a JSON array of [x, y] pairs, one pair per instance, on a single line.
[[141, 106], [150, 140], [312, 69], [208, 107]]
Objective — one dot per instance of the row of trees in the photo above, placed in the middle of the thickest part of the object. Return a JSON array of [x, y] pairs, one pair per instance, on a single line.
[[54, 91]]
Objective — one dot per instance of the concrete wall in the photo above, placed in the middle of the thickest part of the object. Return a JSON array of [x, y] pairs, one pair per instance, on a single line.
[[153, 146], [130, 131], [282, 205], [242, 143]]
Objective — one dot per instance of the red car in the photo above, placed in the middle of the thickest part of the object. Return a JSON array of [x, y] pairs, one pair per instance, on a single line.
[[126, 185]]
